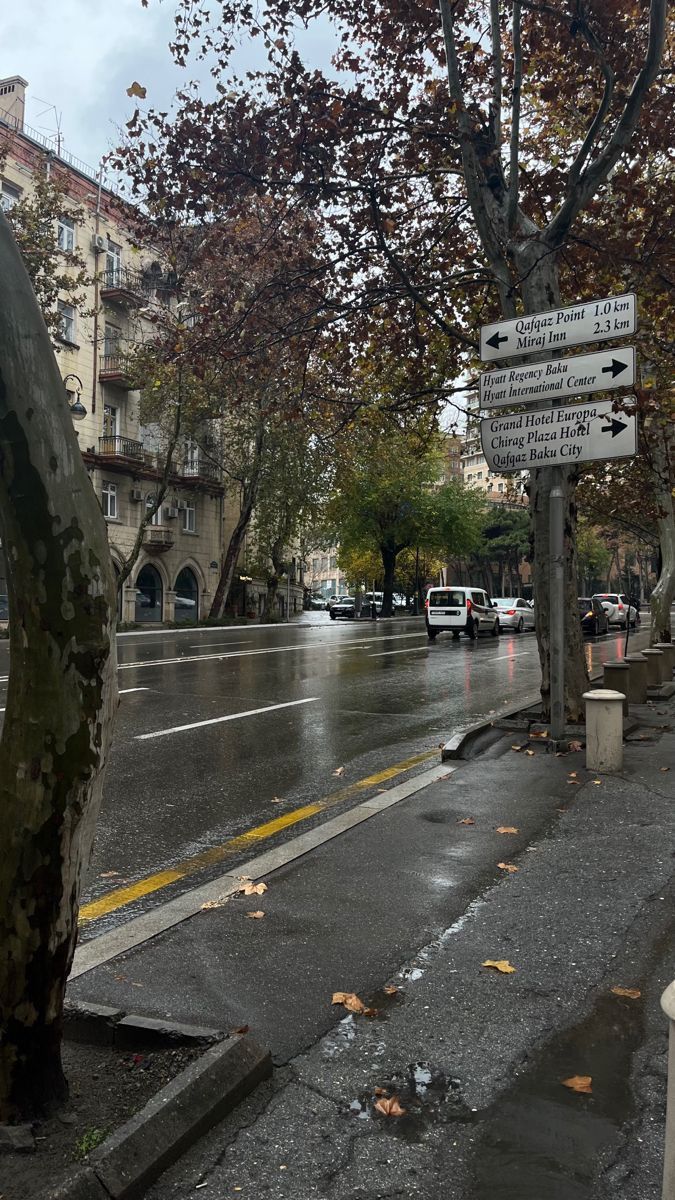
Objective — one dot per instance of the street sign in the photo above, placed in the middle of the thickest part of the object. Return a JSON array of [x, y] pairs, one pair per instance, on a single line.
[[550, 437], [593, 321], [562, 379]]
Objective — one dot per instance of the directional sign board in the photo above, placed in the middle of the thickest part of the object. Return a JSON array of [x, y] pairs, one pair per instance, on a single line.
[[551, 437], [593, 321], [560, 380]]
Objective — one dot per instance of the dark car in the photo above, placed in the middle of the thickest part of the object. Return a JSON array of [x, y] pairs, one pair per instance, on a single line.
[[346, 607], [593, 617]]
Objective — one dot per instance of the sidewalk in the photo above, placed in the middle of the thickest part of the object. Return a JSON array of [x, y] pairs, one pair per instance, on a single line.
[[415, 900]]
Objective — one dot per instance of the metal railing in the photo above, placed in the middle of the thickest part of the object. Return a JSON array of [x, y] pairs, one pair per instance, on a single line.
[[200, 469], [123, 279], [120, 447], [113, 365]]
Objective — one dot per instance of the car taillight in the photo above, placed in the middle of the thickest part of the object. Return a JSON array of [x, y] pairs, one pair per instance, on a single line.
[[621, 608], [510, 612], [468, 606], [426, 602]]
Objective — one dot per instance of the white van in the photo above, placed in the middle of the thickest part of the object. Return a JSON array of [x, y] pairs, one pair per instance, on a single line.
[[460, 610], [379, 600]]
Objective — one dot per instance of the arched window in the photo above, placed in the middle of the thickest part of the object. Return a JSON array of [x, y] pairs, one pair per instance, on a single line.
[[150, 597], [187, 595]]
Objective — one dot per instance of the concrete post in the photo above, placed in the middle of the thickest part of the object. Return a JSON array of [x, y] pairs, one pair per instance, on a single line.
[[169, 605], [604, 730], [615, 678], [129, 595], [637, 678], [668, 651], [668, 1006], [654, 660]]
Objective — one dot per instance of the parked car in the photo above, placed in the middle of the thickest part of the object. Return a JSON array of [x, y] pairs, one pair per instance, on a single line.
[[593, 617], [618, 608], [345, 607], [318, 602], [514, 613], [379, 601], [185, 602], [460, 610]]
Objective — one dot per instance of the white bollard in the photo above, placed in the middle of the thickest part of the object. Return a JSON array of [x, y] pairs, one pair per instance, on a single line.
[[604, 730], [668, 1006]]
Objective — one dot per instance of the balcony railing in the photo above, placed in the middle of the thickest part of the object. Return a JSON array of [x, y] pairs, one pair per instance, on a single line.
[[156, 538], [120, 447], [201, 469], [114, 368], [123, 284]]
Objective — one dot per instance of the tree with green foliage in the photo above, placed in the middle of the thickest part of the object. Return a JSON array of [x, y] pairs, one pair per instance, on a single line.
[[387, 498]]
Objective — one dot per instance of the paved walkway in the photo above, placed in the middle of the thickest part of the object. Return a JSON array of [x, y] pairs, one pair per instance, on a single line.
[[414, 900]]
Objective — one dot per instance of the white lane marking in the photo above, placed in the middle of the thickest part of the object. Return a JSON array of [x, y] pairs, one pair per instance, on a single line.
[[124, 691], [251, 712], [406, 650], [198, 645], [521, 654], [335, 643]]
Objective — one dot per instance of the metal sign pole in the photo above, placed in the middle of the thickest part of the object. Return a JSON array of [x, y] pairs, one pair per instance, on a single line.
[[557, 603]]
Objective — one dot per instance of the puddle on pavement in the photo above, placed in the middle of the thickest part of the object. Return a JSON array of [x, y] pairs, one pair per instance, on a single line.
[[540, 1141], [427, 1096]]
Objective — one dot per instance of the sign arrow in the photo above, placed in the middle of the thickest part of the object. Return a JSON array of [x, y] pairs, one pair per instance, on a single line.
[[616, 367], [614, 427], [496, 340]]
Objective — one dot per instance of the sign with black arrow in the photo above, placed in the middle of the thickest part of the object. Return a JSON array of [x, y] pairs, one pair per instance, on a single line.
[[560, 380], [550, 437], [592, 321]]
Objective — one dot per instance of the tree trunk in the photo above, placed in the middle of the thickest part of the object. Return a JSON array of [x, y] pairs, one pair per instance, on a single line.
[[389, 554], [664, 593], [222, 592], [61, 696], [540, 288]]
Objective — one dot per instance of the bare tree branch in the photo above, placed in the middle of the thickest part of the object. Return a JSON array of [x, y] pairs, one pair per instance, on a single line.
[[594, 128], [512, 200], [496, 71]]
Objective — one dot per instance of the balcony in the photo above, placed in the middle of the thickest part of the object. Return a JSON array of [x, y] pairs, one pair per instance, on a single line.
[[114, 369], [201, 471], [122, 285], [156, 540], [120, 448]]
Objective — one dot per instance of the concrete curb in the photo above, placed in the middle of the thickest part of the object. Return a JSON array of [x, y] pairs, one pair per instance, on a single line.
[[141, 1149], [100, 1025]]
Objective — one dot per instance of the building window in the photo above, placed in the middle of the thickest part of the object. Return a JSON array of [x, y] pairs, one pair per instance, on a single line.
[[66, 321], [111, 339], [500, 487], [66, 234], [479, 474], [109, 420], [113, 259], [333, 561], [190, 517], [10, 196], [316, 565], [156, 519], [109, 500]]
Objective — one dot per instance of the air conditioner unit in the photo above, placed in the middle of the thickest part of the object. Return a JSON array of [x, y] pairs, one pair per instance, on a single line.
[[136, 494], [99, 243], [181, 505], [170, 512]]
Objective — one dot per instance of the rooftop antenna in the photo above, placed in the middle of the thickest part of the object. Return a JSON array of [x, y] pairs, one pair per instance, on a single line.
[[55, 124]]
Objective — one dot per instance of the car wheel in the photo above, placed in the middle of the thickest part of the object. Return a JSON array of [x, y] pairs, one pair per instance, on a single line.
[[455, 635], [495, 628], [519, 626], [622, 624], [471, 629], [332, 616], [431, 634]]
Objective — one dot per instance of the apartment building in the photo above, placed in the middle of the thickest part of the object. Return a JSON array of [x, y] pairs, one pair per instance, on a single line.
[[179, 564], [499, 489]]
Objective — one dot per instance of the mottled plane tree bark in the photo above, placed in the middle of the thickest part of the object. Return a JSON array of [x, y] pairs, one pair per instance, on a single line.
[[61, 696]]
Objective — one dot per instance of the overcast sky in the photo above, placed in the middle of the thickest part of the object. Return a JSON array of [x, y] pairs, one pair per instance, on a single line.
[[79, 57]]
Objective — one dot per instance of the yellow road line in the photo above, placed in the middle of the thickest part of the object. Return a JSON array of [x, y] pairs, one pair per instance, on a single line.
[[119, 897]]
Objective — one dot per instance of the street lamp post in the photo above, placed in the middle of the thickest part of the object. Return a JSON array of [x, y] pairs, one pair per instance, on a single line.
[[77, 410]]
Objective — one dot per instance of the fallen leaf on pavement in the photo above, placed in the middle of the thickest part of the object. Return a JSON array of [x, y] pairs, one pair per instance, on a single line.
[[597, 782], [577, 781], [517, 748], [390, 990], [241, 1029], [507, 867], [217, 903], [575, 745], [501, 964], [572, 774], [256, 915], [466, 821], [339, 771], [539, 733], [379, 1091], [371, 1012], [664, 768], [630, 993], [579, 1083], [350, 1001], [252, 889], [110, 874], [507, 829], [277, 800], [390, 1107], [530, 753]]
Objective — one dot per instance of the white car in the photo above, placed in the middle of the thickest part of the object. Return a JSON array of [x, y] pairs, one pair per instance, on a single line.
[[460, 610], [514, 613], [618, 608]]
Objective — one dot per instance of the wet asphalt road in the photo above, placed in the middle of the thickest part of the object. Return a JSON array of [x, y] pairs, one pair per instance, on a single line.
[[362, 696]]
